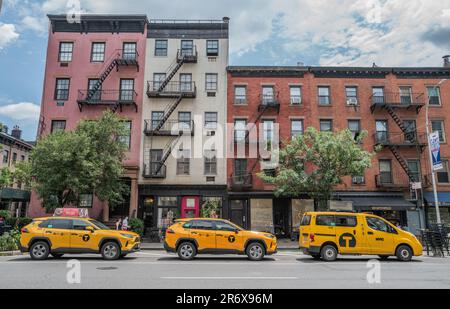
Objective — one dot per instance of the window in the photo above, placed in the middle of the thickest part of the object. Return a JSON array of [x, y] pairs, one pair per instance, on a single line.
[[267, 95], [210, 162], [410, 129], [184, 120], [202, 225], [211, 120], [326, 221], [161, 48], [224, 226], [212, 48], [438, 125], [129, 51], [166, 217], [167, 201], [57, 224], [185, 82], [240, 95], [379, 225], [240, 130], [381, 127], [324, 95], [351, 92], [414, 169], [241, 173], [98, 52], [355, 127], [385, 171], [65, 51], [183, 162], [80, 225], [211, 81], [306, 220], [347, 221], [156, 118], [443, 174], [14, 157], [296, 128], [156, 167], [126, 138], [158, 78], [62, 89], [97, 95], [5, 156], [326, 125], [405, 95], [22, 158], [86, 200], [58, 126], [268, 126], [377, 95], [127, 89], [434, 95], [187, 48], [296, 95], [215, 200]]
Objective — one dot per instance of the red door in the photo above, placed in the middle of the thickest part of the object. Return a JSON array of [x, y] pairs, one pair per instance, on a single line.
[[190, 207]]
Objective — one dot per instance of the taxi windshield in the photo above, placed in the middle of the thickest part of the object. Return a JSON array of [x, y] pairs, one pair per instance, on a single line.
[[99, 225]]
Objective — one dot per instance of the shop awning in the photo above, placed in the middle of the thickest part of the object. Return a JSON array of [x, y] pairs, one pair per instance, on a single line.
[[14, 195], [373, 203], [443, 198]]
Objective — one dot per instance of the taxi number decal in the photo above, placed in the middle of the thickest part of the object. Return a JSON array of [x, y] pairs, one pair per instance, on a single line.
[[347, 240], [231, 238], [86, 237]]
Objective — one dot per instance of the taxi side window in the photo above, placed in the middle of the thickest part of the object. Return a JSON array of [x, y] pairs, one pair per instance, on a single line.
[[306, 220], [56, 224], [223, 226], [325, 221], [80, 225], [379, 225], [202, 225], [346, 221]]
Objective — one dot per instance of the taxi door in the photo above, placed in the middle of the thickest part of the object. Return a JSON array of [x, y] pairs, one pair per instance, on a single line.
[[58, 232], [350, 235], [205, 235], [80, 238], [228, 237], [324, 230], [380, 239]]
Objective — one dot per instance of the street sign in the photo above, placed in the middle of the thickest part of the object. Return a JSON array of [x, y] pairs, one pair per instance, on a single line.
[[416, 185], [435, 148]]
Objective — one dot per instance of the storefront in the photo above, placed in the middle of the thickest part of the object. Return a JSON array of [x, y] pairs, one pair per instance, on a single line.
[[15, 200], [444, 208], [160, 206]]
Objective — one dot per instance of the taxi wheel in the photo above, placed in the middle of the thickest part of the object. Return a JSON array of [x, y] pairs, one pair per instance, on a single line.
[[57, 255], [110, 251], [187, 251], [329, 253], [256, 251], [39, 250], [404, 253]]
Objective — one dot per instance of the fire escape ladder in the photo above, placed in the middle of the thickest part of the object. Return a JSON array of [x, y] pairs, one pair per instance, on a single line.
[[410, 136], [167, 151], [402, 162], [114, 64], [173, 69], [168, 112]]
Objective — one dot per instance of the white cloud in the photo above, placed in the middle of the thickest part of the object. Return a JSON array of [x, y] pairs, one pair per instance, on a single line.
[[8, 35], [21, 111], [38, 25]]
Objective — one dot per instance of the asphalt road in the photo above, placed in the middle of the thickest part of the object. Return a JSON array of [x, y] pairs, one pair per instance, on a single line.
[[157, 269]]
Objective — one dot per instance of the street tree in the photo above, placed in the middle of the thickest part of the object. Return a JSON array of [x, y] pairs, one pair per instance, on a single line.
[[316, 162]]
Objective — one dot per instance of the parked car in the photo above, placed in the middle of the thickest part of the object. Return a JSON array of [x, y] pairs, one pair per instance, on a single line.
[[327, 234], [189, 237], [65, 235]]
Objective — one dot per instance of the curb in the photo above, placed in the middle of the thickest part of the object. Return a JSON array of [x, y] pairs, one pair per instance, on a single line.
[[10, 253]]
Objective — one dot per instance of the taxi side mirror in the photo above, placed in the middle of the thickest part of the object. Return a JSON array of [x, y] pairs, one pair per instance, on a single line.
[[90, 229], [236, 231]]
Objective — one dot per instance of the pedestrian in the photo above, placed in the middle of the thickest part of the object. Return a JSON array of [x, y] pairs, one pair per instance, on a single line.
[[125, 224], [119, 224]]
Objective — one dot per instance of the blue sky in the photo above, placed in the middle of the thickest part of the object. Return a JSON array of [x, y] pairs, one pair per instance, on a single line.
[[263, 32]]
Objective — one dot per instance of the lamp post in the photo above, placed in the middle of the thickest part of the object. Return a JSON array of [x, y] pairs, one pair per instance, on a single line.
[[430, 154]]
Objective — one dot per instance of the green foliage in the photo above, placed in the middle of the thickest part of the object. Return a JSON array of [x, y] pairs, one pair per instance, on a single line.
[[137, 226], [210, 209], [89, 159], [10, 241], [5, 214], [19, 222], [23, 173], [315, 162], [6, 178]]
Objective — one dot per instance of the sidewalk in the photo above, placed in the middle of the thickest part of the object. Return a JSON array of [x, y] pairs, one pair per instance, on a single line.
[[283, 244]]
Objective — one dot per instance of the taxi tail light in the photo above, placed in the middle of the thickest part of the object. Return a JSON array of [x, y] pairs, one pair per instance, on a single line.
[[311, 237], [170, 231], [24, 230]]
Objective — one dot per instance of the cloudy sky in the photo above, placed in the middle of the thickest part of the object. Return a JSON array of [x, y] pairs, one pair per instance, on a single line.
[[263, 32]]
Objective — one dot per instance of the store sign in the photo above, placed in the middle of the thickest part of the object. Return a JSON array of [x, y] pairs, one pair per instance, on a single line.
[[435, 148], [71, 212]]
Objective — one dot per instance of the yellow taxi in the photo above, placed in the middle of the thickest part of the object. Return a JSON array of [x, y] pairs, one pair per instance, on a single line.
[[188, 237], [56, 236], [327, 234]]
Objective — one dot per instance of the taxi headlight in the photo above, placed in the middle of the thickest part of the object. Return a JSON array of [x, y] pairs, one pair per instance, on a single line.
[[127, 236]]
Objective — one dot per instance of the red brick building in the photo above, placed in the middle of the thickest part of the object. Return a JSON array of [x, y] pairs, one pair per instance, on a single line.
[[389, 103]]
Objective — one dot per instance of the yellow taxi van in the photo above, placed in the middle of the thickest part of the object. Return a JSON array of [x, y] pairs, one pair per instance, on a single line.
[[326, 234]]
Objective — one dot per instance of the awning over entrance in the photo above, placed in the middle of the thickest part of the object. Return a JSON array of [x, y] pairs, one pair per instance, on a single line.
[[443, 199], [379, 202], [14, 195]]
